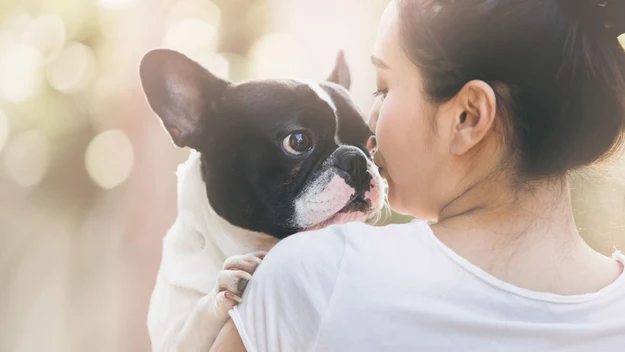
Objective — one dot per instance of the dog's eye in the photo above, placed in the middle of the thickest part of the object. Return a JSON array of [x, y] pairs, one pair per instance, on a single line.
[[297, 143]]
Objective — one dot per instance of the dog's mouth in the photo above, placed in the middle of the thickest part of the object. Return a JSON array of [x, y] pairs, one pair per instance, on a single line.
[[357, 204], [334, 201], [357, 209]]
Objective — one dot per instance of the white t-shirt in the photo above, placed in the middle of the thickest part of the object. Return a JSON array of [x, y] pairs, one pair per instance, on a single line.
[[398, 288]]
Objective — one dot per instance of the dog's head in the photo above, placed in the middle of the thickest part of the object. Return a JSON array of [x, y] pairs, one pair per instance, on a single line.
[[278, 156]]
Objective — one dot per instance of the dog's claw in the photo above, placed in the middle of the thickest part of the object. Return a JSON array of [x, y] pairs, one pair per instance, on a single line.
[[243, 275], [255, 259], [232, 296], [236, 273]]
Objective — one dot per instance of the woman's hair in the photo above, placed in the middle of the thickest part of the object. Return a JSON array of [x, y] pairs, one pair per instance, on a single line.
[[557, 68]]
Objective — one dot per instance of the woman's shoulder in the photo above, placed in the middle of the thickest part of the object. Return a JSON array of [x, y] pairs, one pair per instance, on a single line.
[[351, 232], [309, 264], [309, 271], [328, 245]]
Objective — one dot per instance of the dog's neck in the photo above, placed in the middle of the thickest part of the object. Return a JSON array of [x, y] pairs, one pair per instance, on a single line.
[[195, 212]]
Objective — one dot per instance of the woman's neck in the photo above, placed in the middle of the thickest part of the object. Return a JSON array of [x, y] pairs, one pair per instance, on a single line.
[[502, 208], [516, 234]]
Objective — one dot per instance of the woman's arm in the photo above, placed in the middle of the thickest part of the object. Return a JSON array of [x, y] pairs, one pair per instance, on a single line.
[[286, 298], [228, 339]]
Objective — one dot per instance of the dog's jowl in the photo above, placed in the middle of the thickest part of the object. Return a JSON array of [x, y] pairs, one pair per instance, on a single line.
[[270, 158]]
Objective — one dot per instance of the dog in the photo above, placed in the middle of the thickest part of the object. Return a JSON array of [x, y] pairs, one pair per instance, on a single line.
[[269, 158]]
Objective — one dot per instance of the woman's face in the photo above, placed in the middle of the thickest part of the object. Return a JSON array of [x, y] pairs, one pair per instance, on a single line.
[[413, 148]]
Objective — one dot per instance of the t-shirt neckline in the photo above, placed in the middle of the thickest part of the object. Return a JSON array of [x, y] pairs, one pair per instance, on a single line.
[[523, 292]]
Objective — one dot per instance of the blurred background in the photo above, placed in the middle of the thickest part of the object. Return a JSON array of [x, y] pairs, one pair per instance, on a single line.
[[87, 184]]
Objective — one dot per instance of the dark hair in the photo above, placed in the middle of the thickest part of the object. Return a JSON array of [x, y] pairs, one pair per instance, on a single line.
[[556, 66]]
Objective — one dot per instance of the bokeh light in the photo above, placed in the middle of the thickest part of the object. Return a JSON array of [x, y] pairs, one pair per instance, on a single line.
[[278, 55], [72, 69], [20, 72], [5, 129], [109, 158], [6, 39], [88, 175], [191, 28], [203, 10], [27, 158], [17, 21], [215, 63], [237, 65], [255, 18], [47, 34], [190, 36], [115, 4]]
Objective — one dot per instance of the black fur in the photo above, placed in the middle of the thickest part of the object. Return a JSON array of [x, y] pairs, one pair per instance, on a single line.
[[239, 129]]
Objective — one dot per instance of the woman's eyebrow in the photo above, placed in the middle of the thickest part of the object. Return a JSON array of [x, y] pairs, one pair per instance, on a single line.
[[379, 63]]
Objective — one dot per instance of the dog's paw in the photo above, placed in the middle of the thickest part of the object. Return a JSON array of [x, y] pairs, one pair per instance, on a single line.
[[232, 280]]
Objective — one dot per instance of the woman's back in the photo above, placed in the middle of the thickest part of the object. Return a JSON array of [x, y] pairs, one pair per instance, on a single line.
[[398, 288]]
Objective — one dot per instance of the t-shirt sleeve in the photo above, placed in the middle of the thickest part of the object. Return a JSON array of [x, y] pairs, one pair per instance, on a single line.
[[285, 300]]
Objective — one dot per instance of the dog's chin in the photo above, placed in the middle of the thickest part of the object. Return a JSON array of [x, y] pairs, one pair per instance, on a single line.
[[341, 218], [357, 210]]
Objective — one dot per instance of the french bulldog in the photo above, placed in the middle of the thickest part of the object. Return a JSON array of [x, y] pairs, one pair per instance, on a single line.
[[269, 158]]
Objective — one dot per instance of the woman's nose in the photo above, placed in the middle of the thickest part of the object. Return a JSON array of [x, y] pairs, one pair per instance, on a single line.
[[373, 119], [372, 145]]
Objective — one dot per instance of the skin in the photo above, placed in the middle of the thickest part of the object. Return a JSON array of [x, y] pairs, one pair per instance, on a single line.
[[443, 162]]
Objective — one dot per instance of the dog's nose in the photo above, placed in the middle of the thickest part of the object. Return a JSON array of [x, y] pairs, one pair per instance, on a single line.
[[354, 163]]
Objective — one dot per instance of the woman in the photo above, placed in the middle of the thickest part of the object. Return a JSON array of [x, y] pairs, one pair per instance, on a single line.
[[482, 109]]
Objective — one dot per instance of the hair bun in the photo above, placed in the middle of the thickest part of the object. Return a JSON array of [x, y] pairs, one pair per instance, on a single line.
[[607, 16]]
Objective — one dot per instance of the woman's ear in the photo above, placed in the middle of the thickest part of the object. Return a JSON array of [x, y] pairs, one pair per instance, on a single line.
[[476, 109]]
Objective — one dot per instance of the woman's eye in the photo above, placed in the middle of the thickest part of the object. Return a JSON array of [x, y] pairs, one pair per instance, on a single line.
[[381, 93], [297, 144]]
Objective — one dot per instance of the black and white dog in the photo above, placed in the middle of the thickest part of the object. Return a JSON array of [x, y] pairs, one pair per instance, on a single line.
[[269, 158]]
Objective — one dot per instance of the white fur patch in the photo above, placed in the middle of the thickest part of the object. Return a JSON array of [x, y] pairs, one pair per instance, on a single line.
[[323, 198], [323, 95], [193, 254], [200, 240]]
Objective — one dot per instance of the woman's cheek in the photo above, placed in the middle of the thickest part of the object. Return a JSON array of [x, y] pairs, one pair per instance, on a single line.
[[390, 136], [389, 146], [374, 115], [387, 127]]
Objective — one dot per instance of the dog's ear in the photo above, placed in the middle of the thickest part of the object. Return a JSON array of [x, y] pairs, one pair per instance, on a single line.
[[340, 74], [181, 92]]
